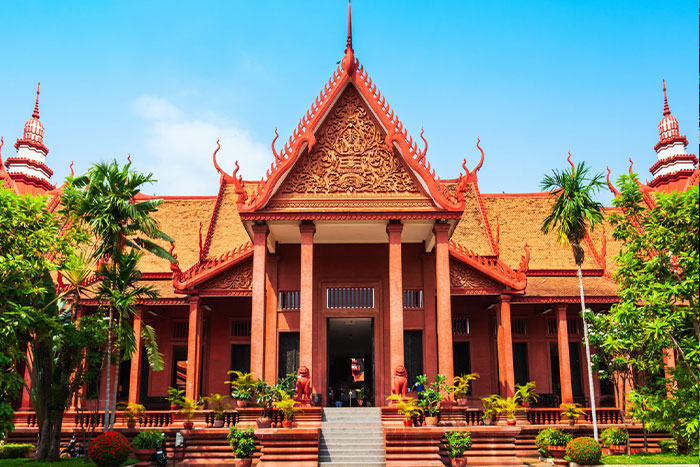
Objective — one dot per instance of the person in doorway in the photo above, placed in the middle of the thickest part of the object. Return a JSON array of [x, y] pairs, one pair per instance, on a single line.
[[338, 397], [331, 397]]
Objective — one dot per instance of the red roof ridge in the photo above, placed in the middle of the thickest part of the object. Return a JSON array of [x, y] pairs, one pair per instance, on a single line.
[[538, 194], [204, 269], [494, 268], [3, 173]]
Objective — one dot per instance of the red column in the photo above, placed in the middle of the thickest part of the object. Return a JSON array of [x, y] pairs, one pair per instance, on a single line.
[[26, 400], [271, 320], [429, 333], [135, 377], [306, 297], [257, 319], [505, 348], [564, 361], [194, 340], [394, 230], [444, 306]]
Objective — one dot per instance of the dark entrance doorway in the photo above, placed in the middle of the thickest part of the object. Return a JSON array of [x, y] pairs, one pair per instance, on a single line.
[[350, 360]]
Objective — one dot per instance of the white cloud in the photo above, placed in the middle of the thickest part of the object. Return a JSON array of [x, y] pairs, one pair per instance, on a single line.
[[180, 149]]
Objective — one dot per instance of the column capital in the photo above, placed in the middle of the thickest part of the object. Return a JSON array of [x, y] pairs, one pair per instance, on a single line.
[[260, 228], [307, 227], [394, 226], [441, 227], [561, 306], [505, 298], [194, 299]]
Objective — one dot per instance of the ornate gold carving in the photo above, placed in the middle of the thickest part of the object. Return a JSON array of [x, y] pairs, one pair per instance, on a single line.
[[350, 156], [463, 277], [238, 278]]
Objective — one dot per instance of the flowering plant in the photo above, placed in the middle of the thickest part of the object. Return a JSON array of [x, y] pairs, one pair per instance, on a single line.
[[584, 451], [110, 449]]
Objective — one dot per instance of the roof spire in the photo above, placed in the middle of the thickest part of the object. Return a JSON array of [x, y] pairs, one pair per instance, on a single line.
[[36, 106], [667, 111], [348, 46]]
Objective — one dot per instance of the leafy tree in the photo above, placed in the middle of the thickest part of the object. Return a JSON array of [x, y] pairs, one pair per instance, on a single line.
[[573, 212], [33, 317], [103, 202], [657, 314]]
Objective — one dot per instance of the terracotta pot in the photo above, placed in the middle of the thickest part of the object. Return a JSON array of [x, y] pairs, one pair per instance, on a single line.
[[263, 422], [188, 425], [218, 423], [174, 406], [525, 404], [246, 462], [360, 402], [144, 456], [462, 402], [287, 423], [459, 461], [241, 403], [558, 452], [131, 424], [511, 422], [407, 422], [431, 421]]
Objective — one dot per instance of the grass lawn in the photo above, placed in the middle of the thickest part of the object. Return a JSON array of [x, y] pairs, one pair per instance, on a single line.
[[641, 459], [63, 463]]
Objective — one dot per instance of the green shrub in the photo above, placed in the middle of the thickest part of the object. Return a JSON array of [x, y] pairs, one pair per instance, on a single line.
[[110, 449], [584, 451], [15, 451], [668, 446], [458, 442], [551, 437], [147, 439], [613, 437], [242, 442]]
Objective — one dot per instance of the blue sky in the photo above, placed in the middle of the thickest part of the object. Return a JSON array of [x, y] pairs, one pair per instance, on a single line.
[[162, 81]]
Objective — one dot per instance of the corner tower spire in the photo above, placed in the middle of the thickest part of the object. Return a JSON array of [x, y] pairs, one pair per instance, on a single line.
[[674, 165], [36, 106], [348, 63]]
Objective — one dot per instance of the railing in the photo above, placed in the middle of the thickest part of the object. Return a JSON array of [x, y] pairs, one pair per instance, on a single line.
[[473, 416], [604, 415], [538, 416]]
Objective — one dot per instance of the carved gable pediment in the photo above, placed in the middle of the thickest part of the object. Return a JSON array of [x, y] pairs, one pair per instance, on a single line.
[[239, 277], [464, 277], [350, 166]]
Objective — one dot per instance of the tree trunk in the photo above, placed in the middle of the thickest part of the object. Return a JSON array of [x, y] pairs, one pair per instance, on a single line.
[[115, 387], [108, 366], [588, 356]]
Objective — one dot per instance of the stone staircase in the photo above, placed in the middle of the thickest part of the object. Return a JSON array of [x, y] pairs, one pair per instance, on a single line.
[[351, 437]]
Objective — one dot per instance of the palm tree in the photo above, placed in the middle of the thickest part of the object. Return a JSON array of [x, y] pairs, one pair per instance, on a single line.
[[573, 212], [103, 201]]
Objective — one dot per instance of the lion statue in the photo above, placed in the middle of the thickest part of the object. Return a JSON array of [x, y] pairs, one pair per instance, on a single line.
[[400, 382], [303, 385]]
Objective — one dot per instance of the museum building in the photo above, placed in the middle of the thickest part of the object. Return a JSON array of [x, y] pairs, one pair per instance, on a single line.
[[352, 258]]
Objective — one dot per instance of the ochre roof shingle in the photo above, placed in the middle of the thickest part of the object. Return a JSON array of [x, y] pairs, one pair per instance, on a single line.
[[568, 286]]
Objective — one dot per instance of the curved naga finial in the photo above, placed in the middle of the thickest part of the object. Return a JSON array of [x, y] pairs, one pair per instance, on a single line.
[[128, 158], [278, 158], [631, 165], [573, 167], [175, 265], [610, 185], [71, 169], [524, 261], [481, 162], [421, 155], [216, 164]]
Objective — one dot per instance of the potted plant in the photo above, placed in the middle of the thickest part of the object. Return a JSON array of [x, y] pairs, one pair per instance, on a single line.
[[460, 387], [188, 408], [508, 407], [144, 445], [526, 393], [614, 441], [431, 397], [215, 403], [408, 407], [242, 387], [489, 408], [361, 394], [556, 443], [458, 442], [287, 406], [266, 396], [243, 444], [175, 397], [133, 412], [571, 412]]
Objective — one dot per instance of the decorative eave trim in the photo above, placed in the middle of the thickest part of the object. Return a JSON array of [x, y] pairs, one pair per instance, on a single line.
[[484, 217], [303, 138], [23, 160], [214, 216], [268, 216], [203, 270], [465, 291], [561, 299], [564, 272], [149, 301], [225, 293], [32, 144], [32, 181], [495, 269], [671, 177]]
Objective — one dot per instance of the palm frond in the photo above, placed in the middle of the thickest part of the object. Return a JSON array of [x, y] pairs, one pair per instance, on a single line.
[[150, 342]]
